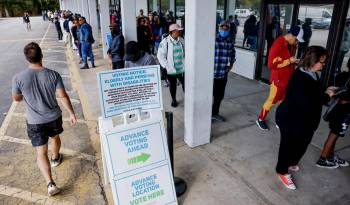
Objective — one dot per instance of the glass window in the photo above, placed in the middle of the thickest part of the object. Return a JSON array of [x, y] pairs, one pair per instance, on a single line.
[[247, 22], [343, 53]]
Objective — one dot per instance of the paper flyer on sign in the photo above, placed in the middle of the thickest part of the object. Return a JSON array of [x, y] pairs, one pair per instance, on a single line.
[[129, 89]]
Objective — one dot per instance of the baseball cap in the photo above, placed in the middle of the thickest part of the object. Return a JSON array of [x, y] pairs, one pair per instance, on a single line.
[[297, 32], [175, 27]]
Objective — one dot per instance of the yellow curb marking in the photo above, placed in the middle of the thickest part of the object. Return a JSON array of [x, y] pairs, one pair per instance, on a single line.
[[30, 196], [65, 151]]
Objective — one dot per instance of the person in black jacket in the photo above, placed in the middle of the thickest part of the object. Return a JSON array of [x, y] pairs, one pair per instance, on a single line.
[[116, 48], [339, 120], [58, 29], [298, 116]]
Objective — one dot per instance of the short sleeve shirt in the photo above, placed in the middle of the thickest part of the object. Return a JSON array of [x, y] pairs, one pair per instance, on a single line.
[[38, 87]]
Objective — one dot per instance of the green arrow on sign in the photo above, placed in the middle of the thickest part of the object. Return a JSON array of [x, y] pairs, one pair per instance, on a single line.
[[143, 157]]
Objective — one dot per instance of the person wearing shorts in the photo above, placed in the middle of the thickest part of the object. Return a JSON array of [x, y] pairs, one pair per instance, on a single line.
[[38, 86], [339, 121]]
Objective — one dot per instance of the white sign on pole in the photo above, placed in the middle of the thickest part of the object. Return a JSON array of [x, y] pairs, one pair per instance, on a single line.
[[138, 164], [129, 89]]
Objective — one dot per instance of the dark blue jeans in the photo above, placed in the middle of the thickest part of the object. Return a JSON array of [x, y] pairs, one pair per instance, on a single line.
[[86, 50]]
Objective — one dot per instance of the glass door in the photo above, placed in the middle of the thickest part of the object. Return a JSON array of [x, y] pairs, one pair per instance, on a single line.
[[278, 21]]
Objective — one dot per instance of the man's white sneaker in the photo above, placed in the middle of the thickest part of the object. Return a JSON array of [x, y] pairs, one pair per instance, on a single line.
[[52, 189]]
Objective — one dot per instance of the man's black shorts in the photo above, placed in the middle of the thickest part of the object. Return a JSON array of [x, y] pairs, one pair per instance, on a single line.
[[39, 133], [340, 120]]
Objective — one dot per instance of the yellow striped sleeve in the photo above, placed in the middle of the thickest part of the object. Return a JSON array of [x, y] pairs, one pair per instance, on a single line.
[[283, 64]]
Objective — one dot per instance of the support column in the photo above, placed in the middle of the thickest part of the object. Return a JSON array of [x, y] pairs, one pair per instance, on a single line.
[[84, 9], [128, 8], [199, 66], [172, 6], [105, 21], [92, 11], [155, 5], [142, 4], [231, 6]]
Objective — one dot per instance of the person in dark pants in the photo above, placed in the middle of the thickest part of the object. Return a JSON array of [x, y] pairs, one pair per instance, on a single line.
[[225, 56], [298, 116], [116, 48], [58, 29], [86, 40], [307, 36], [171, 56], [339, 120]]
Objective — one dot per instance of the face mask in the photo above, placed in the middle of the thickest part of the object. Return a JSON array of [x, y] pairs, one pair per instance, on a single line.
[[223, 33]]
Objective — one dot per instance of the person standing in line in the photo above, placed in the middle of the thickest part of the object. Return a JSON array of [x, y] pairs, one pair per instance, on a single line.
[[26, 21], [67, 24], [236, 21], [134, 57], [307, 36], [225, 56], [116, 48], [299, 115], [58, 29], [144, 35], [37, 86], [157, 33], [281, 62], [171, 56], [339, 121], [86, 40], [233, 29]]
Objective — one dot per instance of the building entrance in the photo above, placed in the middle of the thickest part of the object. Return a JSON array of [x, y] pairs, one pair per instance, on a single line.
[[320, 24]]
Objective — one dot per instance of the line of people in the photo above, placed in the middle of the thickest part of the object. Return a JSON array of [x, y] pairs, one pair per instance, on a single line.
[[75, 32]]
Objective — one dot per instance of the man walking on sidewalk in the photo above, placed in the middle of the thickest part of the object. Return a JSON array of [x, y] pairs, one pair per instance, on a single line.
[[225, 56], [281, 62], [37, 86], [86, 40]]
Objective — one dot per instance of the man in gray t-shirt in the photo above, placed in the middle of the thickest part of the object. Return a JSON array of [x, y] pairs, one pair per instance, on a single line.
[[37, 87]]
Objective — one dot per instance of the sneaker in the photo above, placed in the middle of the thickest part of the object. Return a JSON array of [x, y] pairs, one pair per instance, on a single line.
[[85, 67], [93, 65], [174, 103], [324, 163], [339, 161], [52, 189], [287, 181], [262, 124], [218, 118], [294, 168], [56, 162]]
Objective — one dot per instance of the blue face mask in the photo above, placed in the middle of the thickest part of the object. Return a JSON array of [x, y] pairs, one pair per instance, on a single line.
[[224, 33]]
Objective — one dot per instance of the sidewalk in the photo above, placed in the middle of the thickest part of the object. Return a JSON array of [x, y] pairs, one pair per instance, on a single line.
[[237, 167], [78, 177]]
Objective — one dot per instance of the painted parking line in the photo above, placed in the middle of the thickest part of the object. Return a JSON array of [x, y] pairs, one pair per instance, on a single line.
[[23, 115], [65, 151], [53, 61], [31, 196], [17, 40]]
